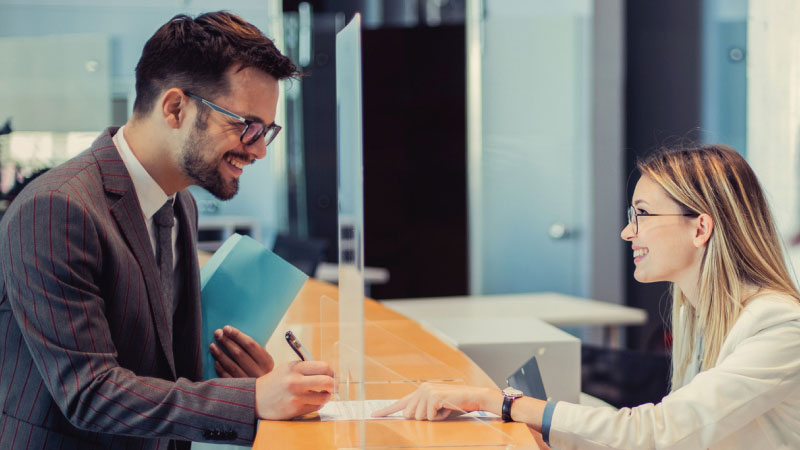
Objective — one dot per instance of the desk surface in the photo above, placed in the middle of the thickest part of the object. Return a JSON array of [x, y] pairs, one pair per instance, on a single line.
[[303, 317], [556, 309]]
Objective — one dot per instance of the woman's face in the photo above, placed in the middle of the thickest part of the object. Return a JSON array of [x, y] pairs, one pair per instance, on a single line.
[[663, 248]]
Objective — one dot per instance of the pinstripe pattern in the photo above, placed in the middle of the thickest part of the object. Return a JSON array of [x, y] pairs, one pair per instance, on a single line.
[[87, 359]]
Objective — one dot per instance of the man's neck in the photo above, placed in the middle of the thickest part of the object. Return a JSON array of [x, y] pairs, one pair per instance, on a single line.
[[148, 146]]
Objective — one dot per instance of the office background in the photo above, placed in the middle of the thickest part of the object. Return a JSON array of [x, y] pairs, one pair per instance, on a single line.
[[500, 135]]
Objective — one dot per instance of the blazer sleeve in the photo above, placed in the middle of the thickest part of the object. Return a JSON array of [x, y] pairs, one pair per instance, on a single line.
[[51, 253], [761, 371]]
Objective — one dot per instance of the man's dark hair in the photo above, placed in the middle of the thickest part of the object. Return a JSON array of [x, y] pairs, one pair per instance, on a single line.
[[194, 54]]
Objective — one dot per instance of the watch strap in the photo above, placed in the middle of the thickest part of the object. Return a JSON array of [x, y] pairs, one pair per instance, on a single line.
[[506, 410]]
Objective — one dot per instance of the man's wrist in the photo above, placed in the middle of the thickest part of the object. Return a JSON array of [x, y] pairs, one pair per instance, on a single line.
[[258, 388]]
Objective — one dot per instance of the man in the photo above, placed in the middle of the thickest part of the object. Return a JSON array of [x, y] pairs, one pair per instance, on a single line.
[[100, 297]]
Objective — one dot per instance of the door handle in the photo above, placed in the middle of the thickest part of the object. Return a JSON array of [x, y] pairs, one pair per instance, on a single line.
[[558, 231]]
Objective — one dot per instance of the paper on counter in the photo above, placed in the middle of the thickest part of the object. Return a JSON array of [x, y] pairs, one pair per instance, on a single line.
[[248, 287], [351, 410]]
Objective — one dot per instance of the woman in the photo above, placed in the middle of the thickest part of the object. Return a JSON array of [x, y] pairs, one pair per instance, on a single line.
[[700, 220]]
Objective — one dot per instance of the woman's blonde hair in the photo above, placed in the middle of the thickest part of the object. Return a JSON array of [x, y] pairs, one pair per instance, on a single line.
[[744, 249]]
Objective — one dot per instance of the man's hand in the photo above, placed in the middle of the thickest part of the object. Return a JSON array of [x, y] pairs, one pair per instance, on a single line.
[[294, 389], [247, 358]]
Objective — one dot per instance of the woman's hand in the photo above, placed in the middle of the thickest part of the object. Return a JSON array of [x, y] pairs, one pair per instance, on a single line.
[[440, 401]]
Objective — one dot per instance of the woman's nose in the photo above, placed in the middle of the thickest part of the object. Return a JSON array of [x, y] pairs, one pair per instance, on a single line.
[[627, 233]]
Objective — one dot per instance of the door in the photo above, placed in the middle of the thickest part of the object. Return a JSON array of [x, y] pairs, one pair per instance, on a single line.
[[529, 133]]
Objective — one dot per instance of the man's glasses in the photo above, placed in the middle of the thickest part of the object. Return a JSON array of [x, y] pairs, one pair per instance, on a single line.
[[253, 130], [633, 217]]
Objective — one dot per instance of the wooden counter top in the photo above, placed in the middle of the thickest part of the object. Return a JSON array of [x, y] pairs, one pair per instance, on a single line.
[[393, 342]]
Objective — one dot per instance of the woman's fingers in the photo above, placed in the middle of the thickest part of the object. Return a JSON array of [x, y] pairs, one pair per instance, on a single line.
[[393, 408], [429, 402], [433, 410], [410, 411]]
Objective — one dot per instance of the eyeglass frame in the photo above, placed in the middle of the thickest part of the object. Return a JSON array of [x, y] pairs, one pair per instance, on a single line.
[[246, 122], [633, 217]]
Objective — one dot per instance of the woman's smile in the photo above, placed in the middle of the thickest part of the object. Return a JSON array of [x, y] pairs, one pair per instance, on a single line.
[[639, 253]]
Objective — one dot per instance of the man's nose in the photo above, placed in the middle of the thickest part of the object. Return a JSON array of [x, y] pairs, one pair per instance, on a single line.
[[257, 149]]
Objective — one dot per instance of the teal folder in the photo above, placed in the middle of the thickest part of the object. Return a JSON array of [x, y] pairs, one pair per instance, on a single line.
[[248, 287]]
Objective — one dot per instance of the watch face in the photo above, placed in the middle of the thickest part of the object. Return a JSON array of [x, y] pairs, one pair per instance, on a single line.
[[511, 392]]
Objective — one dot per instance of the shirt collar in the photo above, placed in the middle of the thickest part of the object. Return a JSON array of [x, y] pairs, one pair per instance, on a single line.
[[151, 196]]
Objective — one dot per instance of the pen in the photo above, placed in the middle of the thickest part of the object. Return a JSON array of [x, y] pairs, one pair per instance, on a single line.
[[298, 347]]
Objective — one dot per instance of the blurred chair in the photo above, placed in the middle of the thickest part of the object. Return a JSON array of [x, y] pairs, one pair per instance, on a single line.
[[6, 128], [305, 254], [624, 378]]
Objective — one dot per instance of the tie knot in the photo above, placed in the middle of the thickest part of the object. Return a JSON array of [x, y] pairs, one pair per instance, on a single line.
[[165, 216]]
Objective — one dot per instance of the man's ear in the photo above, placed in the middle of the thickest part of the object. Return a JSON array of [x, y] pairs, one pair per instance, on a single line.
[[173, 107], [703, 230]]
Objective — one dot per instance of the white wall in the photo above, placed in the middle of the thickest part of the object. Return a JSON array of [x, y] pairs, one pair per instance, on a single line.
[[773, 98], [128, 24], [56, 83]]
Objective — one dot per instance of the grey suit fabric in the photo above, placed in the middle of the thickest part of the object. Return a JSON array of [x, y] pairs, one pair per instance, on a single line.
[[90, 357]]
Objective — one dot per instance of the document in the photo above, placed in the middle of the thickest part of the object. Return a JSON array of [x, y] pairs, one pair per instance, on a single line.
[[353, 410], [248, 287]]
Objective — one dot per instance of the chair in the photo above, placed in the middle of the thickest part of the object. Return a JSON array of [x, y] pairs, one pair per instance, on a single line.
[[624, 378], [305, 254]]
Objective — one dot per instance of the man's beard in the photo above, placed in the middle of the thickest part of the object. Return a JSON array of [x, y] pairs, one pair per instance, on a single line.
[[204, 172]]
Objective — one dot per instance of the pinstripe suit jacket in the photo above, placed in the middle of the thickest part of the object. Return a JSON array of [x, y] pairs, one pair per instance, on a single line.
[[90, 359]]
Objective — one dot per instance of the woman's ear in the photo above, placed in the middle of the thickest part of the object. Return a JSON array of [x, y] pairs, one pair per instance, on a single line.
[[703, 230]]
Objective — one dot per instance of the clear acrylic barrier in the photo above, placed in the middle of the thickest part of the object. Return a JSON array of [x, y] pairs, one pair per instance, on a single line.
[[393, 368], [370, 362], [351, 207]]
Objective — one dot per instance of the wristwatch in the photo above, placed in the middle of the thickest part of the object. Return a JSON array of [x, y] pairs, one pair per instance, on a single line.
[[509, 395]]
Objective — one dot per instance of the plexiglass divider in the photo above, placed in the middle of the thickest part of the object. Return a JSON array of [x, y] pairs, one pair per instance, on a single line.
[[372, 364], [349, 344]]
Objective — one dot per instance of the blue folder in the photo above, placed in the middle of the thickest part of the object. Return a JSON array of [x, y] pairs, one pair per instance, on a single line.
[[246, 286]]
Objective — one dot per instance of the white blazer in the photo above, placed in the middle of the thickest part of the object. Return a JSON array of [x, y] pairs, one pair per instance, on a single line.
[[749, 400]]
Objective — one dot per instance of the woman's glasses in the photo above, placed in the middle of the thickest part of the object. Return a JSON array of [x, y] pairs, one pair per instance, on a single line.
[[633, 217]]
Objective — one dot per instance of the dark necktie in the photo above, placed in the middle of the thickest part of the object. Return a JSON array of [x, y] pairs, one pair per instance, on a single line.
[[164, 220]]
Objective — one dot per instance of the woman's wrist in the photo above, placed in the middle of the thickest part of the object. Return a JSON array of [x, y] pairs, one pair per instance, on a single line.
[[528, 410], [491, 400]]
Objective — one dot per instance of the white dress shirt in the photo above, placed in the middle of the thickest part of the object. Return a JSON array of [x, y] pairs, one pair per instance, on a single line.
[[749, 400], [151, 198]]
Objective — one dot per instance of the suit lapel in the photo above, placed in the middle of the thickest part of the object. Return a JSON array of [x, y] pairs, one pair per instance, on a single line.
[[128, 214]]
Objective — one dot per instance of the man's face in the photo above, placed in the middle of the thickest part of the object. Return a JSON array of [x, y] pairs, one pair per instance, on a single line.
[[213, 156]]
